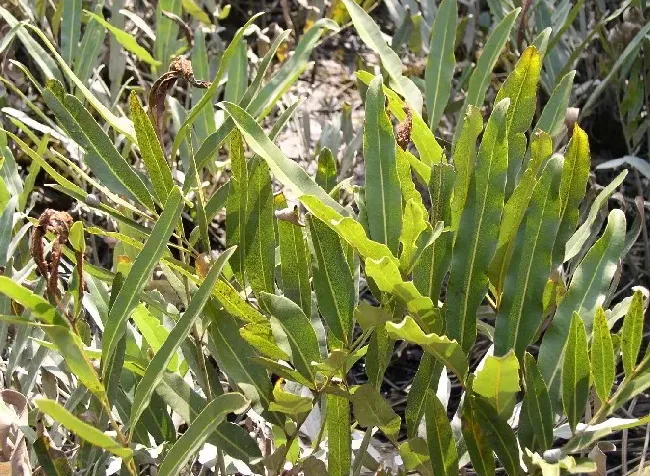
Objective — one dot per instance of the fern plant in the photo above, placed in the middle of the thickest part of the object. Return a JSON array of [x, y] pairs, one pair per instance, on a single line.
[[486, 240]]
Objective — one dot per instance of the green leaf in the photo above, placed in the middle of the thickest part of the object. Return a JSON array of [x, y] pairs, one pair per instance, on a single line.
[[289, 72], [101, 155], [126, 40], [630, 51], [370, 410], [205, 123], [380, 351], [445, 350], [582, 234], [326, 172], [440, 61], [442, 445], [575, 372], [158, 365], [38, 306], [82, 430], [521, 312], [71, 347], [498, 383], [602, 356], [349, 229], [476, 440], [478, 230], [293, 405], [237, 76], [259, 259], [332, 279], [153, 332], [521, 88], [199, 430], [235, 358], [414, 224], [464, 158], [166, 42], [516, 208], [482, 74], [191, 7], [139, 275], [536, 417], [572, 189], [501, 437], [121, 124], [433, 264], [294, 257], [212, 90], [382, 191], [423, 138], [632, 333], [415, 455], [287, 171], [70, 29], [237, 205], [590, 434], [229, 437], [76, 237], [371, 35], [339, 436], [151, 150], [554, 112], [426, 377], [388, 279], [299, 330], [586, 292]]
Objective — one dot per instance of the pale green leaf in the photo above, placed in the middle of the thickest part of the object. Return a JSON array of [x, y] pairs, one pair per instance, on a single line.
[[575, 372]]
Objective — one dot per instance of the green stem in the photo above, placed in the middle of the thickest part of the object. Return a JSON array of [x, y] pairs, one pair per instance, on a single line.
[[358, 461]]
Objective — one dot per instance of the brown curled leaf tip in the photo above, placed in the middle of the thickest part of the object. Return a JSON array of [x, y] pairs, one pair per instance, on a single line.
[[58, 223], [187, 31], [404, 129], [180, 68]]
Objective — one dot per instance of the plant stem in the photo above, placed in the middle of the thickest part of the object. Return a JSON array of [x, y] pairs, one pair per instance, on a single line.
[[358, 461]]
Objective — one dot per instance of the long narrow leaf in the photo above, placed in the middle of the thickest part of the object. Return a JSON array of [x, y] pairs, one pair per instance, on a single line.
[[156, 368], [478, 230], [139, 275]]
